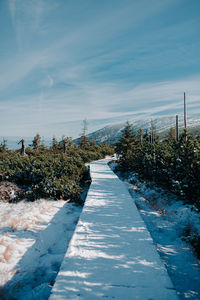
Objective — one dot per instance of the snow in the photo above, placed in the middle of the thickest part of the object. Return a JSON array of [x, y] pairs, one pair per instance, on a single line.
[[111, 254], [34, 237], [166, 218]]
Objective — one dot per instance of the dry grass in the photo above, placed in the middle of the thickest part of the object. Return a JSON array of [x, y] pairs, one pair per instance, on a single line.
[[7, 254], [30, 225], [14, 224], [21, 223], [4, 220], [42, 210], [5, 273], [2, 241], [19, 241], [27, 227], [4, 270], [12, 273], [39, 218]]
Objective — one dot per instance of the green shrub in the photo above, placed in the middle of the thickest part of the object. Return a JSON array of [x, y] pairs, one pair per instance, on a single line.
[[174, 164], [48, 172]]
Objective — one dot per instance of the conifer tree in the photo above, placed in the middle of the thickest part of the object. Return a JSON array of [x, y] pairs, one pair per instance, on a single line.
[[126, 140], [36, 141], [172, 134], [3, 145], [140, 132], [174, 164], [54, 142], [92, 143], [67, 143], [84, 140], [124, 148]]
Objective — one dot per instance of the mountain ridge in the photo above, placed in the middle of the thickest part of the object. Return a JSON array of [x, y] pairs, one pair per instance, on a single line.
[[111, 133]]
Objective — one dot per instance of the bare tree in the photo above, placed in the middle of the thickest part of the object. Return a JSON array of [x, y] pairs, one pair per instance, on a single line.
[[22, 151], [84, 140], [67, 143]]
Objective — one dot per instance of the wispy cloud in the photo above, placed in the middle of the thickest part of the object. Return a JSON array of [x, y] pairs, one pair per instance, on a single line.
[[26, 17], [100, 102], [100, 60]]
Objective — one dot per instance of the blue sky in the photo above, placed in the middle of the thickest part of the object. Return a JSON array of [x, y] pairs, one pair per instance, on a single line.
[[62, 61]]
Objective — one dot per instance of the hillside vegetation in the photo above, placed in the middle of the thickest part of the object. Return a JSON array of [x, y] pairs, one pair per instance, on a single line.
[[112, 133], [57, 172], [171, 163]]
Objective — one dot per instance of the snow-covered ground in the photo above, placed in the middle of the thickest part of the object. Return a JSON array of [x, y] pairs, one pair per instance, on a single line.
[[111, 254], [34, 237], [169, 220]]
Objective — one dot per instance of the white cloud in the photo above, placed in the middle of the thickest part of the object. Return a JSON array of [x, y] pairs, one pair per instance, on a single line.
[[82, 68], [12, 7], [97, 102]]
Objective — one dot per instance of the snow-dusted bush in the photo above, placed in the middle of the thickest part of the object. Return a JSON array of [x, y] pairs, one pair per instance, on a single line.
[[191, 235], [50, 172], [174, 164]]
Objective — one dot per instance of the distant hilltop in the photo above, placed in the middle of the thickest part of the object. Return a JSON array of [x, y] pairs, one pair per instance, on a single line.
[[111, 133]]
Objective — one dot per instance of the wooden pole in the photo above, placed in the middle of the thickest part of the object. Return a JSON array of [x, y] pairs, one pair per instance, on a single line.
[[185, 125], [177, 137], [152, 133], [22, 151], [141, 135]]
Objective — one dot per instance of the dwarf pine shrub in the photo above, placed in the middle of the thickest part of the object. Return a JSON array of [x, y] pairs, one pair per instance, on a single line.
[[49, 172]]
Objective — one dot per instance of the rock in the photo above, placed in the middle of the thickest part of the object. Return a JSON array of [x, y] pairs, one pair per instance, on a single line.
[[10, 192]]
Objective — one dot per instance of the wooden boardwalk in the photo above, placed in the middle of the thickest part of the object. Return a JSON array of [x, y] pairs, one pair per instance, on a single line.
[[111, 254]]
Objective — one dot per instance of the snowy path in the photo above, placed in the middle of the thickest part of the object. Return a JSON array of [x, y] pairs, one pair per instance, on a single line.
[[111, 254]]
